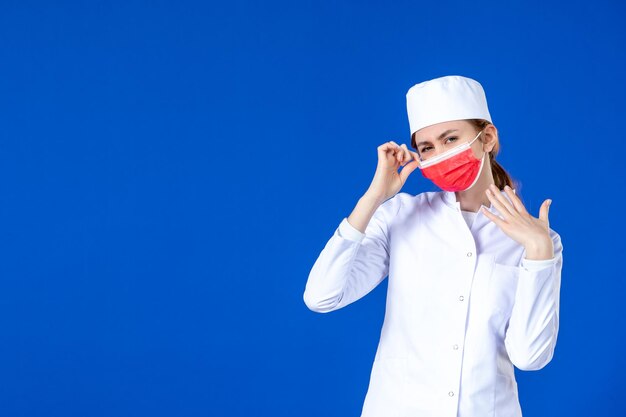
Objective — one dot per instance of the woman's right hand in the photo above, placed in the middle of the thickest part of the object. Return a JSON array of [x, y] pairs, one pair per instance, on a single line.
[[387, 180]]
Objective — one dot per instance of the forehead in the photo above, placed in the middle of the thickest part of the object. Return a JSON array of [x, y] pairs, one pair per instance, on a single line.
[[433, 131]]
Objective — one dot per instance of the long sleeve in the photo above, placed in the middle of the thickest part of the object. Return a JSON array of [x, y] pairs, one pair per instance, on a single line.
[[534, 324], [352, 263]]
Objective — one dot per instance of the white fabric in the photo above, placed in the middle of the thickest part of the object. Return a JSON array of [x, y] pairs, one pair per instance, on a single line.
[[469, 217], [443, 99], [463, 306]]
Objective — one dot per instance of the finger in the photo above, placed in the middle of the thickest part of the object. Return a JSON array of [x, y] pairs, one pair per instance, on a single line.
[[400, 156], [503, 203], [407, 154], [517, 203], [496, 219], [497, 203], [382, 150], [386, 147], [407, 170], [415, 157], [391, 145], [385, 155], [397, 151], [543, 211]]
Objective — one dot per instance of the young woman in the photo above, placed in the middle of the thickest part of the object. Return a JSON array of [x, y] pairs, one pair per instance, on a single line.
[[474, 278]]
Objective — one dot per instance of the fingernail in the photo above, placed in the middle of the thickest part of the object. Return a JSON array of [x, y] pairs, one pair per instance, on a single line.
[[549, 201]]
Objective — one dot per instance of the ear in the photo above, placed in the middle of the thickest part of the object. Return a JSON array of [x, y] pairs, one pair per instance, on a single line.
[[490, 138]]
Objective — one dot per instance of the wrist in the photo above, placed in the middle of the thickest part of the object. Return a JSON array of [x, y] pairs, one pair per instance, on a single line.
[[539, 250], [372, 199]]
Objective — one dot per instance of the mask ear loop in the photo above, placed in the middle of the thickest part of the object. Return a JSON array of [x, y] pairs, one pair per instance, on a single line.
[[472, 141]]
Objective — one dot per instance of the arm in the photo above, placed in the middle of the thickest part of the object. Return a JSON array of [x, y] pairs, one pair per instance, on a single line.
[[352, 262], [534, 324]]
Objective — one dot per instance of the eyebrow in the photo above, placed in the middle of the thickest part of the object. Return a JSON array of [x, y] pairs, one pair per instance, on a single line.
[[440, 136]]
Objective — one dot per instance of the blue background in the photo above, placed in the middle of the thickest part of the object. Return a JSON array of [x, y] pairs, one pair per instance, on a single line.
[[170, 171]]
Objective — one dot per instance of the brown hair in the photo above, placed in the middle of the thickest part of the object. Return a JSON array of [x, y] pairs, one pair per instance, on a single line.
[[500, 176]]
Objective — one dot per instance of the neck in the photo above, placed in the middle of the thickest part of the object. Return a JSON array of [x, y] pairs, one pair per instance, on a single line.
[[473, 198]]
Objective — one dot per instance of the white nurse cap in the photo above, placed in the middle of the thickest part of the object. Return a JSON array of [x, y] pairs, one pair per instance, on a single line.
[[443, 99]]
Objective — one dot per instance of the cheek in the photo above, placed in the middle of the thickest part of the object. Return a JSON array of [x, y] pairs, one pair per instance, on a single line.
[[477, 150]]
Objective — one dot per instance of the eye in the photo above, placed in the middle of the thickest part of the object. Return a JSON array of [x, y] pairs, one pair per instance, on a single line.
[[425, 148], [452, 137]]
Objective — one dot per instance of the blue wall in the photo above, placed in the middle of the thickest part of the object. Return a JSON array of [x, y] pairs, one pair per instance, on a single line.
[[170, 171]]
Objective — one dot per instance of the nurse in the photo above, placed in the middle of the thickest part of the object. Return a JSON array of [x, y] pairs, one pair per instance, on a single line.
[[474, 278]]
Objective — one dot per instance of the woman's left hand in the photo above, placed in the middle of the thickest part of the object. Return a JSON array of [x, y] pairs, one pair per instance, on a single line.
[[532, 232]]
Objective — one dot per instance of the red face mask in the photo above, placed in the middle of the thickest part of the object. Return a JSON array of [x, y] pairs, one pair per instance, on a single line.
[[454, 170]]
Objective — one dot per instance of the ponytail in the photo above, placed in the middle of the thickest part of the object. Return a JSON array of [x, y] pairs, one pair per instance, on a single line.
[[500, 176]]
